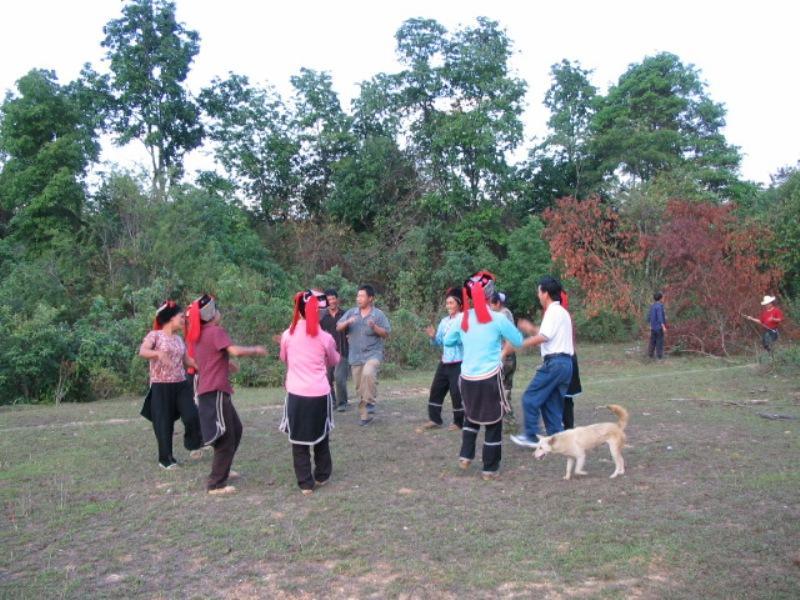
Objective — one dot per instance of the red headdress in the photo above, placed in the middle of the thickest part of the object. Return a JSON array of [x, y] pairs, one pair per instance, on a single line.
[[200, 311], [308, 304], [480, 288], [564, 299], [164, 313]]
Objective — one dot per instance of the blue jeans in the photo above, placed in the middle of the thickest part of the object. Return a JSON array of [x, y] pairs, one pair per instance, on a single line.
[[545, 394]]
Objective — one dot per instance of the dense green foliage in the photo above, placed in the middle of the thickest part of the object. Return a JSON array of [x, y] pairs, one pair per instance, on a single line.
[[410, 189]]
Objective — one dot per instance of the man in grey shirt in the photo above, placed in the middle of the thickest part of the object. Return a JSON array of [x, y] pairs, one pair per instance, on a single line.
[[366, 327]]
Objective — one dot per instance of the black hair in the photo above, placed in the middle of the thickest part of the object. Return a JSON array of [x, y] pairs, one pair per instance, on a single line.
[[368, 289], [658, 296], [332, 292], [552, 286], [165, 315], [497, 299]]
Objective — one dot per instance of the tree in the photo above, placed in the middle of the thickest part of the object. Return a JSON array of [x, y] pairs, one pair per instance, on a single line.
[[783, 217], [658, 118], [48, 143], [527, 261], [561, 161], [256, 143], [463, 107], [714, 271], [149, 54], [376, 179], [325, 135], [595, 247]]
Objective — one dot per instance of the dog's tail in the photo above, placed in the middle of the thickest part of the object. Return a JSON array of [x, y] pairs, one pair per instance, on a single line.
[[621, 413]]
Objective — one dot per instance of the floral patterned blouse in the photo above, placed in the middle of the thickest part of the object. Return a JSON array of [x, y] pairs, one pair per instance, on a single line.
[[170, 369]]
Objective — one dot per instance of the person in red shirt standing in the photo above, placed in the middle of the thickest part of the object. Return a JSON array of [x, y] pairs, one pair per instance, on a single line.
[[770, 319], [211, 347]]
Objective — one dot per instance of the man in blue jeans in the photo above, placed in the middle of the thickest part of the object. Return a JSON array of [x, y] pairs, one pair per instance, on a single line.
[[545, 392]]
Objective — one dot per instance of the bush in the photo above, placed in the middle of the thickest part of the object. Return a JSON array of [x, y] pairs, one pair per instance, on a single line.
[[408, 346], [604, 327]]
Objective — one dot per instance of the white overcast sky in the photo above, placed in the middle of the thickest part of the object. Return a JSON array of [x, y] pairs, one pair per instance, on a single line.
[[747, 52]]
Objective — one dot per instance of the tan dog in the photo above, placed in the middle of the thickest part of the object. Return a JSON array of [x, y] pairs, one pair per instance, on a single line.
[[574, 443]]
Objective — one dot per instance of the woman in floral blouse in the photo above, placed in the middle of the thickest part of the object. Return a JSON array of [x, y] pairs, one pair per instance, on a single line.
[[170, 394]]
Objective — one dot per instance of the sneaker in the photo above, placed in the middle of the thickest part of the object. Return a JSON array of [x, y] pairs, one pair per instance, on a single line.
[[428, 425], [370, 408], [168, 466], [490, 475], [522, 440], [223, 491], [464, 463], [366, 421], [453, 427]]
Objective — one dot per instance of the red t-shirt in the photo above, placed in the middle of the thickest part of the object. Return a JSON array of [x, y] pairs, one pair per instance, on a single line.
[[212, 360], [771, 317]]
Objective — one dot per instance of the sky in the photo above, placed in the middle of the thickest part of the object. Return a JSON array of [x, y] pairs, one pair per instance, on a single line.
[[746, 52]]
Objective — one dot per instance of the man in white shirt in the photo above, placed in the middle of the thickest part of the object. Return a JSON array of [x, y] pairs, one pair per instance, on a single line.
[[545, 392]]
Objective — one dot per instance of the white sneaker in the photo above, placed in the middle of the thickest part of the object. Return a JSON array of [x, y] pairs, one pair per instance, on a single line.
[[521, 440]]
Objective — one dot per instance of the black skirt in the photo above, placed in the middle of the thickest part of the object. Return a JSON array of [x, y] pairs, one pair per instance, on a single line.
[[575, 384], [307, 419], [484, 399]]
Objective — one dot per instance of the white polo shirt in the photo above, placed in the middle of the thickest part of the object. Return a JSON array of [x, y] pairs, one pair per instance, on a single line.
[[557, 328]]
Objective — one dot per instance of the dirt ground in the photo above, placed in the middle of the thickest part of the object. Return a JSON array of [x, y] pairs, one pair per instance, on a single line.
[[708, 506]]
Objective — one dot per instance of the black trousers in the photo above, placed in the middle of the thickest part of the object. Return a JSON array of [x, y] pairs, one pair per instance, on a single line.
[[323, 463], [225, 446], [569, 413], [656, 343], [492, 443], [446, 380], [168, 401]]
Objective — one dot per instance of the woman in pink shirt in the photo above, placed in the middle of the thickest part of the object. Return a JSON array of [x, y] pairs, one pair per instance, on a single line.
[[308, 351], [170, 394]]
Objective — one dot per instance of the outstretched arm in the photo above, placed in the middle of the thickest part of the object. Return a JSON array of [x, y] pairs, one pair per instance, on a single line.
[[234, 350]]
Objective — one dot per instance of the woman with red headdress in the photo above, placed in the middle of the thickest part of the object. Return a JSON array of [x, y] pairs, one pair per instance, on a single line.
[[211, 347], [447, 372], [482, 333], [170, 395], [308, 352]]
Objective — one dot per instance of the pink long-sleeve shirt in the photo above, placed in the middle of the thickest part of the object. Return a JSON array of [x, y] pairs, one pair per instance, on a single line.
[[308, 359]]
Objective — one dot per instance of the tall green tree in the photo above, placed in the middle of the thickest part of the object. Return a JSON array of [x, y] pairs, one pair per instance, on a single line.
[[659, 118], [149, 54], [325, 134], [562, 165], [256, 143], [48, 143], [464, 108]]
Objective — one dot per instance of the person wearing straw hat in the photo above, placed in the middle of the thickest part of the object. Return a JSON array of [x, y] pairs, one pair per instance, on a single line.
[[211, 347], [170, 394], [482, 333], [770, 319], [308, 352]]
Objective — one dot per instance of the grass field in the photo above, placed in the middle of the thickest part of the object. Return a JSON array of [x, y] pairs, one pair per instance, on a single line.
[[708, 507]]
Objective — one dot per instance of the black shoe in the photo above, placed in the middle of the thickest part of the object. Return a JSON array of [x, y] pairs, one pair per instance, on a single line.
[[366, 421]]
